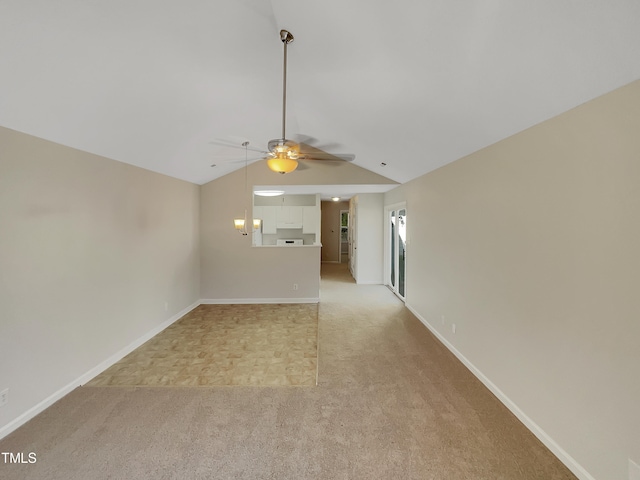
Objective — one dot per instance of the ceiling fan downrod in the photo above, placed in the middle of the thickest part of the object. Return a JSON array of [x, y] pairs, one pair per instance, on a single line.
[[286, 38], [284, 153]]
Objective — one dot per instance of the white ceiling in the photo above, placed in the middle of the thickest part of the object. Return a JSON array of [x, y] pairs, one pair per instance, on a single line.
[[413, 84]]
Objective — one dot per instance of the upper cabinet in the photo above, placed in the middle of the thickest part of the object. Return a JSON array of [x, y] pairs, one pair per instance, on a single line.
[[289, 216]]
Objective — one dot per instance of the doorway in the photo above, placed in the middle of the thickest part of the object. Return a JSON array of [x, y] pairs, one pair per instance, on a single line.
[[353, 239], [344, 236], [396, 249]]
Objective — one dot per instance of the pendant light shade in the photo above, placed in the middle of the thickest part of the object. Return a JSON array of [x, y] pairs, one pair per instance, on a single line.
[[238, 223], [241, 224]]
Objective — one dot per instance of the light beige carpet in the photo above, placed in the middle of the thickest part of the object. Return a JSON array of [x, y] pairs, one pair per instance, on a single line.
[[391, 402]]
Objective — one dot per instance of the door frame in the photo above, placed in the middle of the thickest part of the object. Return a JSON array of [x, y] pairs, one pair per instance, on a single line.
[[387, 247]]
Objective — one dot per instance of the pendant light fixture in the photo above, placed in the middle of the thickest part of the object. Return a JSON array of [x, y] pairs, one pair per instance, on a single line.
[[240, 224]]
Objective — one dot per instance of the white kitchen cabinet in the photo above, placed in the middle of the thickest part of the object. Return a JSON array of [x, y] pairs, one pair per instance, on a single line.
[[288, 216], [282, 218]]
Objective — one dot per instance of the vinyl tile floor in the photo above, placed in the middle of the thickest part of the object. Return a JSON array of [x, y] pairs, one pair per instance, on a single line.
[[226, 345]]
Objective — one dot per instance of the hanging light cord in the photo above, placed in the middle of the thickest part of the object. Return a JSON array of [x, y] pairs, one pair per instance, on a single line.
[[246, 164], [246, 188]]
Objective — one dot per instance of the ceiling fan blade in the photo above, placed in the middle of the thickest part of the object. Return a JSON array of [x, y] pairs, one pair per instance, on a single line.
[[302, 138], [326, 156], [302, 166], [307, 143], [230, 144], [307, 149], [221, 160]]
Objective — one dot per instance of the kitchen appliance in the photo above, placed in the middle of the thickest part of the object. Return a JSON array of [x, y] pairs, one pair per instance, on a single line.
[[289, 241]]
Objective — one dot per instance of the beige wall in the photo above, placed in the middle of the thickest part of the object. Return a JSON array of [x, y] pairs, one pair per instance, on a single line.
[[530, 247], [90, 251], [331, 229], [233, 270]]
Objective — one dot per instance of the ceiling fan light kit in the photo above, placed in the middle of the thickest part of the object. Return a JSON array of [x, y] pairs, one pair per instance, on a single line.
[[282, 164], [285, 154]]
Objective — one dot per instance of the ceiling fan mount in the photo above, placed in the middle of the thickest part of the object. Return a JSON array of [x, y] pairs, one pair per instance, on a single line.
[[286, 36]]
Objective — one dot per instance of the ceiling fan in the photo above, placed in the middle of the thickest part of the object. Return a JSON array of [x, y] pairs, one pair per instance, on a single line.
[[282, 154]]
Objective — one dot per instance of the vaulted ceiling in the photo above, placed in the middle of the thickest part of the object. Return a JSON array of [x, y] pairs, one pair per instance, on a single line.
[[411, 84]]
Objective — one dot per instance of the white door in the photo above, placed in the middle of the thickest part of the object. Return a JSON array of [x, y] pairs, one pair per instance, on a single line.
[[396, 249]]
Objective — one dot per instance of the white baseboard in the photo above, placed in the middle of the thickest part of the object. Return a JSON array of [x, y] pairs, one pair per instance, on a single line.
[[84, 378], [558, 451], [244, 301]]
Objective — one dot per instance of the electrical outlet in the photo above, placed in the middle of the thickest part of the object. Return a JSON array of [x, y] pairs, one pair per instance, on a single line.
[[442, 319], [453, 327], [295, 286], [166, 306], [4, 397]]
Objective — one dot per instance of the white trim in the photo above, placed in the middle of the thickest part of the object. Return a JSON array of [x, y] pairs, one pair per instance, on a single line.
[[551, 444], [241, 301], [330, 261], [369, 282], [84, 378]]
